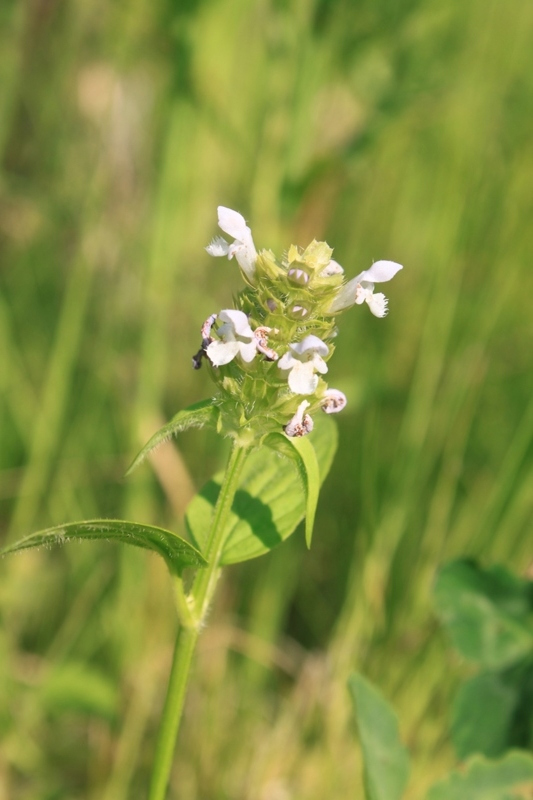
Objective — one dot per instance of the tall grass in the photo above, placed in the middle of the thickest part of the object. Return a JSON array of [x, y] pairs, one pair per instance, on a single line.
[[392, 131]]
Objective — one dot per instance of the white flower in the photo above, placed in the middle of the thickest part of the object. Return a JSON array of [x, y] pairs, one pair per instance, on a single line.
[[303, 359], [333, 401], [361, 289], [236, 338], [243, 248], [301, 423]]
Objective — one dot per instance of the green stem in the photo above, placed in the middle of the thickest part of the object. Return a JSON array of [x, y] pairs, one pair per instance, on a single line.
[[201, 596]]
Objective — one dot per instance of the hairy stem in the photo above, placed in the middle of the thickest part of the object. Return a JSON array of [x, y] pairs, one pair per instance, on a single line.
[[201, 596]]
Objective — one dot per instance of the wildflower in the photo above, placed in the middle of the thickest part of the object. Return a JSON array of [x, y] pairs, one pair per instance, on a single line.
[[301, 423], [333, 401], [303, 359], [361, 289], [243, 248], [285, 315], [236, 337]]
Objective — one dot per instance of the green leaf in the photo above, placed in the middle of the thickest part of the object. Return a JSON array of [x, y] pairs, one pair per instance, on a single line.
[[386, 760], [270, 502], [483, 714], [509, 778], [176, 551], [302, 452], [196, 416], [485, 612]]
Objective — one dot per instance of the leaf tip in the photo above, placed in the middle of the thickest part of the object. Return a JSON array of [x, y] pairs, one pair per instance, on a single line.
[[131, 468], [308, 534]]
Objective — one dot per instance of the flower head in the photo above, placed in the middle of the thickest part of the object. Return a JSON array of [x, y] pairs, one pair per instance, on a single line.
[[236, 338], [361, 289], [302, 360], [285, 315], [243, 248]]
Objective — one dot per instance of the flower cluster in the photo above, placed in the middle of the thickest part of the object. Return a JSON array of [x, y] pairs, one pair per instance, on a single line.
[[269, 354]]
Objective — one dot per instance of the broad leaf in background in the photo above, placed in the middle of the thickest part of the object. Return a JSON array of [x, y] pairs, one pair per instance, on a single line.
[[386, 760], [176, 551], [507, 779], [487, 613], [198, 415], [302, 452], [270, 502], [483, 714], [79, 688]]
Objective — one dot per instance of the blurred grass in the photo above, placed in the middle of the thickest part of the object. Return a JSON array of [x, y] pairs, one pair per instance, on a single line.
[[392, 130]]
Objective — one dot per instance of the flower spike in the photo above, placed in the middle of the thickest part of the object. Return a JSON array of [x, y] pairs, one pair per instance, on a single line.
[[286, 317]]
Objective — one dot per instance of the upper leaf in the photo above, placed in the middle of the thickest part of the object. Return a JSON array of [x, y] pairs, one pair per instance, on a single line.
[[386, 760], [486, 613], [302, 452], [196, 416], [176, 551], [511, 777], [270, 502]]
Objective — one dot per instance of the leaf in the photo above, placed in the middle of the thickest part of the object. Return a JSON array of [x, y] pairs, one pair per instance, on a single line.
[[176, 551], [485, 612], [80, 688], [386, 760], [196, 416], [511, 777], [483, 715], [302, 452], [269, 504]]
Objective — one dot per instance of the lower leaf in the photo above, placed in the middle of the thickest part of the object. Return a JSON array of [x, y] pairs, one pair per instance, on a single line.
[[177, 552], [269, 504]]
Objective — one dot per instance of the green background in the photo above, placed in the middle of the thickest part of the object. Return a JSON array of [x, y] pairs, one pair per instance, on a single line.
[[399, 130]]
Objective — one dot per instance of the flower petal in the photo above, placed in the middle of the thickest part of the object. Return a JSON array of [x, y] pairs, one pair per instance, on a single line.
[[248, 350], [218, 247], [287, 361], [220, 353], [238, 320], [302, 379], [377, 304], [380, 272], [232, 223], [319, 364], [246, 255], [310, 342]]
